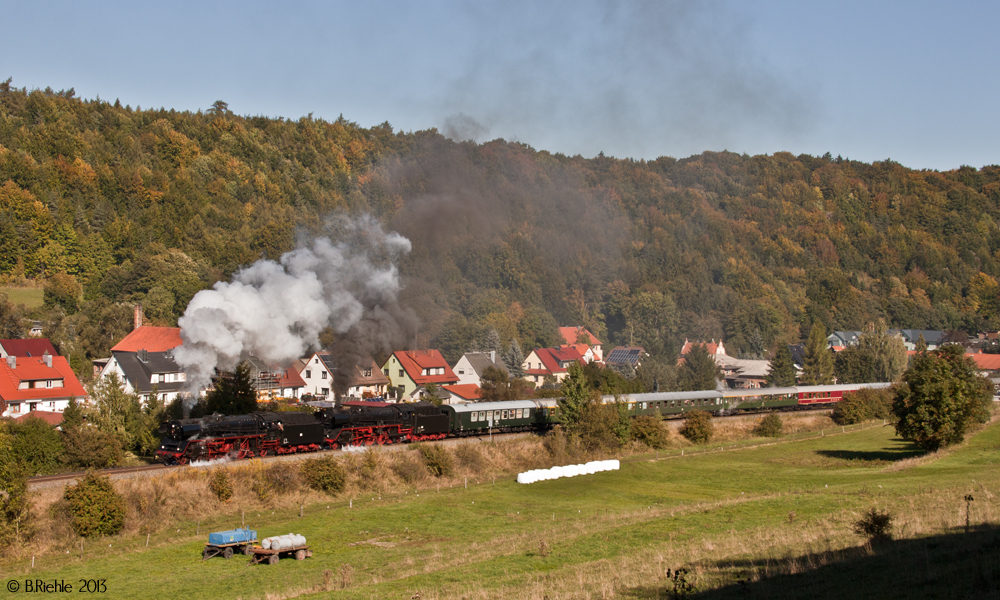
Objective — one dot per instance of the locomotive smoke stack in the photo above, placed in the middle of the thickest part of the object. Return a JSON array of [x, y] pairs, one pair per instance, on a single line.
[[347, 281]]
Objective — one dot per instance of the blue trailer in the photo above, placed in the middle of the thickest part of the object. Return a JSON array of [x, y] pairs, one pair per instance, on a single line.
[[228, 542]]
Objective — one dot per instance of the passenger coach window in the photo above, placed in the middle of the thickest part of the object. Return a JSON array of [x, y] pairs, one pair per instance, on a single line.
[[475, 417]]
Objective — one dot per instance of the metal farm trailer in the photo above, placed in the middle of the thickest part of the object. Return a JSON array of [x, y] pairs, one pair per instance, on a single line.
[[259, 554], [227, 543]]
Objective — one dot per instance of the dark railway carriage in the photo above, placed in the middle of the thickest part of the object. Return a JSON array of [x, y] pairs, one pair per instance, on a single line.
[[476, 418]]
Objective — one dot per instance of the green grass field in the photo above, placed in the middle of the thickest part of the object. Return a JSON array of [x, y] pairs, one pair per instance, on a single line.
[[767, 522], [30, 297]]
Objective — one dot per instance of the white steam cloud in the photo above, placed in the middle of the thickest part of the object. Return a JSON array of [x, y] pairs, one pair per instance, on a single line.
[[277, 309]]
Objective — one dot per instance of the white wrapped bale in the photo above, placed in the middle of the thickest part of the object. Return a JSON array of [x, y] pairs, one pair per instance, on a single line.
[[266, 544], [615, 464]]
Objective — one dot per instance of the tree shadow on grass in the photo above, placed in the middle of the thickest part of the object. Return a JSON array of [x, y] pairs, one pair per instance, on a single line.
[[952, 565], [885, 455]]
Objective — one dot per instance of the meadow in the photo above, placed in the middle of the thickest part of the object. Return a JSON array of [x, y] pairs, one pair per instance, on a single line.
[[30, 297], [766, 521]]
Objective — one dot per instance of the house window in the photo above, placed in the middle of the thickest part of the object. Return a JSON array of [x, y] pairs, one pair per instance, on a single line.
[[309, 374], [326, 391], [461, 371], [317, 361], [423, 372], [48, 383], [386, 371], [322, 375], [400, 372], [32, 406], [15, 407], [368, 372]]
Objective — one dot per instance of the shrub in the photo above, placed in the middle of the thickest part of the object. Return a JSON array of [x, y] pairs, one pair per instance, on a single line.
[[280, 479], [408, 468], [863, 405], [90, 448], [769, 426], [36, 445], [221, 486], [697, 426], [324, 475], [437, 459], [649, 430], [470, 456], [875, 525], [95, 507]]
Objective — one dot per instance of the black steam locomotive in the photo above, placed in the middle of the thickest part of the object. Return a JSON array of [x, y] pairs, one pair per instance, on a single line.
[[269, 433]]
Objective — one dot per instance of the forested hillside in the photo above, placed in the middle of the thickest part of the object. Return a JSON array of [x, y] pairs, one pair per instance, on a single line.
[[113, 205]]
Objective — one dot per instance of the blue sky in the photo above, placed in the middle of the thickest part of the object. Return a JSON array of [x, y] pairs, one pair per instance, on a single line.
[[916, 81]]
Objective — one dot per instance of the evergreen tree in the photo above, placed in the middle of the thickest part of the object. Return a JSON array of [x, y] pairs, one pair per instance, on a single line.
[[781, 371], [699, 371], [73, 415], [942, 395], [921, 345], [514, 359], [492, 342], [818, 367], [233, 394]]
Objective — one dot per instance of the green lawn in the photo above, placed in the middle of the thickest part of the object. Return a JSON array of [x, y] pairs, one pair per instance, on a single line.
[[30, 297], [761, 513]]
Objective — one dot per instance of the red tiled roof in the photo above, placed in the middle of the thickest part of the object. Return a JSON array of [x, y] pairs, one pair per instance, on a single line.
[[571, 334], [153, 339], [552, 359], [34, 369], [465, 391], [52, 418], [29, 347], [712, 347], [986, 362], [291, 379], [415, 361]]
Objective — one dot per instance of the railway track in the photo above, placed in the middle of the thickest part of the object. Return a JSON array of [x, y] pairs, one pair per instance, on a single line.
[[43, 481]]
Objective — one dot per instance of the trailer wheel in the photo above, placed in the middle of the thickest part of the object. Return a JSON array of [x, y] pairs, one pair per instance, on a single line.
[[248, 550], [273, 559], [300, 554], [227, 553]]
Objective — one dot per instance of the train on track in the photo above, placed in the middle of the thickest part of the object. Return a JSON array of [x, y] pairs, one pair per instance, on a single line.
[[371, 423]]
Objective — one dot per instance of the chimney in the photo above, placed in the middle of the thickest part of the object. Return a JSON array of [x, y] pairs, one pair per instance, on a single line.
[[493, 356], [12, 361], [48, 359], [137, 320]]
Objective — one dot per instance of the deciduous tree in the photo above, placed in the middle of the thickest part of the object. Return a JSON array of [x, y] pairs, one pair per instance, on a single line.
[[942, 394]]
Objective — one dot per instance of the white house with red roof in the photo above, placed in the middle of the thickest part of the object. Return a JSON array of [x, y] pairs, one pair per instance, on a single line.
[[44, 383], [414, 369], [580, 335], [712, 347], [461, 392], [546, 362]]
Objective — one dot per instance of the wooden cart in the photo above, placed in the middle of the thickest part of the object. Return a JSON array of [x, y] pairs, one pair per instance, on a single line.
[[259, 555], [226, 550]]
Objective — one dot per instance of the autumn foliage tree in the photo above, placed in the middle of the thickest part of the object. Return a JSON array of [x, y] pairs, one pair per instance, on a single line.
[[941, 396]]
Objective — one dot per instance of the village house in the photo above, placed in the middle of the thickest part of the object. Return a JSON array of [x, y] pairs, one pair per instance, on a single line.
[[630, 356], [144, 363], [316, 372], [580, 335], [366, 380], [549, 362], [461, 393], [27, 348], [472, 365], [409, 371], [43, 383]]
